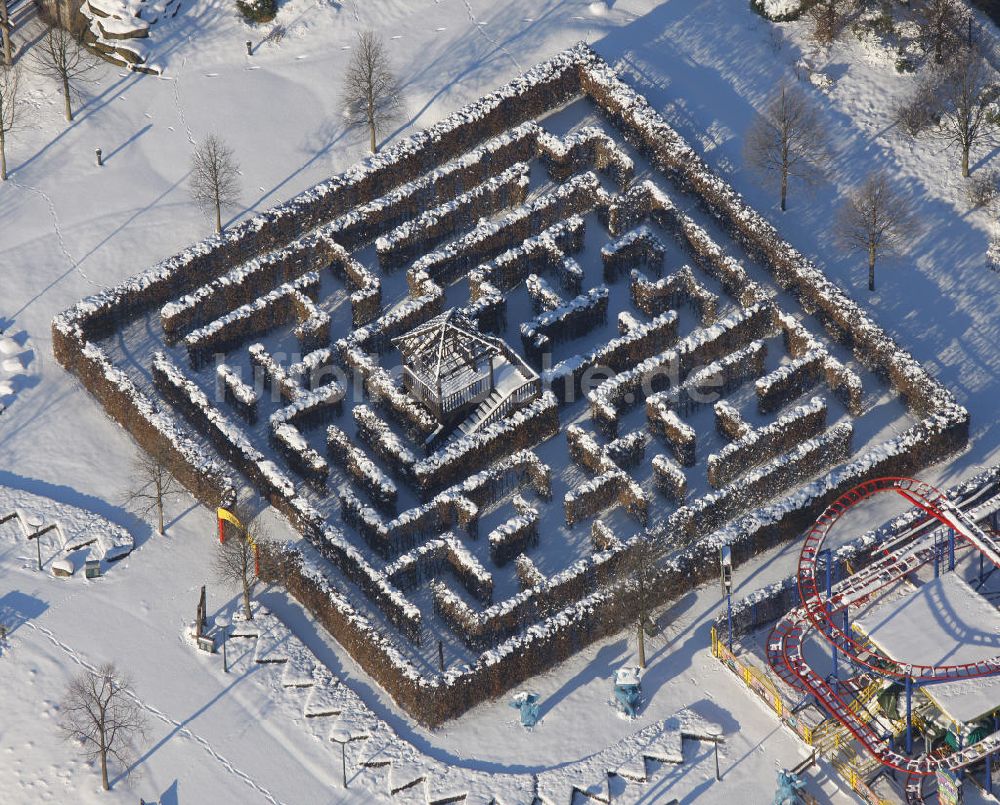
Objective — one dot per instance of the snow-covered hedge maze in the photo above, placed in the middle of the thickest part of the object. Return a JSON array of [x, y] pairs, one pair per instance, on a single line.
[[701, 382]]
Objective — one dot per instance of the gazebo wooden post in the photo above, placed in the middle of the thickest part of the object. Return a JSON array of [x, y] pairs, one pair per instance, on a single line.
[[492, 380]]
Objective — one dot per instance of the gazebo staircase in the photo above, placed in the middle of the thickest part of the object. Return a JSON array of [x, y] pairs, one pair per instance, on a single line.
[[516, 386]]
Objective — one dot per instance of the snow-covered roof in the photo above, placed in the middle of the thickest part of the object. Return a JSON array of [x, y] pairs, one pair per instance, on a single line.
[[445, 346], [945, 622]]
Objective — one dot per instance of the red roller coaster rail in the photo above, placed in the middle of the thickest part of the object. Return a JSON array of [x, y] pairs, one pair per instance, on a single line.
[[900, 558]]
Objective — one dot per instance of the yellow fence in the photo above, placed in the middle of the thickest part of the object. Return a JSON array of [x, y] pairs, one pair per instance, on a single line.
[[761, 684]]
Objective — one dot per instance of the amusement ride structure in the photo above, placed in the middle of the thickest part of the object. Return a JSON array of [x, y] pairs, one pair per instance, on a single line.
[[828, 608]]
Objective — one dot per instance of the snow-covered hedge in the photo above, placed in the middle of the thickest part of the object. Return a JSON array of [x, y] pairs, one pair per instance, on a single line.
[[418, 235], [669, 478], [574, 319], [729, 422], [542, 295], [789, 381], [546, 251], [156, 431], [721, 376], [640, 247], [780, 10], [245, 283], [470, 454], [808, 459], [618, 354], [763, 444], [310, 409], [227, 438], [657, 370], [385, 392], [312, 329], [578, 196], [629, 450], [366, 222], [240, 395], [679, 436], [528, 576], [584, 148], [681, 287], [362, 469], [256, 318], [611, 488], [648, 200], [429, 560], [272, 374], [302, 458], [513, 536]]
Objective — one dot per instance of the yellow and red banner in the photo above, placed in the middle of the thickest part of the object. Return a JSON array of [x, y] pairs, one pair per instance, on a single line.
[[226, 516]]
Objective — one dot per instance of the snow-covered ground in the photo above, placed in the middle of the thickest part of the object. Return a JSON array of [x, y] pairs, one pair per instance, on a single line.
[[70, 228]]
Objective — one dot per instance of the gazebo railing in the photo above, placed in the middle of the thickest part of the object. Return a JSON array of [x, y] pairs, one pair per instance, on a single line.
[[513, 399], [454, 401], [419, 388]]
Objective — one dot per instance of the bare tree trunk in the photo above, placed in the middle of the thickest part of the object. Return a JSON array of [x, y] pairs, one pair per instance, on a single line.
[[218, 217], [965, 161], [642, 645], [784, 187], [3, 156], [371, 129], [871, 268], [246, 600], [104, 765], [5, 27], [69, 108], [159, 510]]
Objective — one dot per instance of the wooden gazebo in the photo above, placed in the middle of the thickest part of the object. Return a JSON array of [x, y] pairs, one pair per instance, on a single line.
[[448, 364]]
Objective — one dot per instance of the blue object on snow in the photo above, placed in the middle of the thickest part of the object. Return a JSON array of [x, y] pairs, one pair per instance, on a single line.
[[790, 788], [527, 703], [628, 692]]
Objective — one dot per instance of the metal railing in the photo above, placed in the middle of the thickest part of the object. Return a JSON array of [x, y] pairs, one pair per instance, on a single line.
[[844, 760]]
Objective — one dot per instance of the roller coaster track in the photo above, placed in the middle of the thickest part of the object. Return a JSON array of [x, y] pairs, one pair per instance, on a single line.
[[901, 557]]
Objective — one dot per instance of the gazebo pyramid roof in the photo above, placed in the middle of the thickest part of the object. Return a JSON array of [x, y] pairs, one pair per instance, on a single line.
[[446, 345]]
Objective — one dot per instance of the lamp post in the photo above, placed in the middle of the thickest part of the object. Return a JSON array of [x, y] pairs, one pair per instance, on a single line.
[[726, 564], [343, 737], [222, 624]]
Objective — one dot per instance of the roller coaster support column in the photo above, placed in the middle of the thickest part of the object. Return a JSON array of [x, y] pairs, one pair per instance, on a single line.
[[937, 557], [951, 549], [828, 554], [988, 782], [909, 719]]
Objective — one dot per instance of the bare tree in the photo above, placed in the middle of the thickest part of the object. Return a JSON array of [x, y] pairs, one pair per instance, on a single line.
[[940, 24], [967, 94], [150, 484], [829, 18], [236, 559], [876, 220], [372, 95], [214, 177], [633, 588], [788, 139], [8, 55], [101, 713], [10, 103], [917, 113], [61, 55]]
